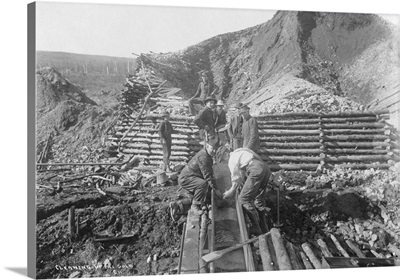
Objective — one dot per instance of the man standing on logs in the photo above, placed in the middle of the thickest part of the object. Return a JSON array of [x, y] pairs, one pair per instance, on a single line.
[[251, 137], [250, 171], [205, 119], [165, 130], [195, 179], [235, 129], [205, 89]]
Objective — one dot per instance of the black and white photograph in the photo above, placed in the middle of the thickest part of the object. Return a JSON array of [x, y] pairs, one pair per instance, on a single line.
[[182, 140]]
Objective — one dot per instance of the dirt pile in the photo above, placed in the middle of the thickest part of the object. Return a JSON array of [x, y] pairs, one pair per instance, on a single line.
[[72, 119], [323, 103], [325, 49]]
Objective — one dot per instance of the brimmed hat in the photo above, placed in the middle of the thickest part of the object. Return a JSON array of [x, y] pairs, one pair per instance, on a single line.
[[220, 103], [213, 141], [211, 97], [244, 109], [203, 73]]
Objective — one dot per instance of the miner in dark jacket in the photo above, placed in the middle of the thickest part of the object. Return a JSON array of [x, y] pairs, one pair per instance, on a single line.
[[250, 134], [205, 119], [204, 90], [165, 131], [235, 128], [195, 179]]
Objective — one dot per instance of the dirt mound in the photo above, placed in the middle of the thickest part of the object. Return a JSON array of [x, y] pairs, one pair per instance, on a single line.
[[325, 49], [52, 88], [66, 113]]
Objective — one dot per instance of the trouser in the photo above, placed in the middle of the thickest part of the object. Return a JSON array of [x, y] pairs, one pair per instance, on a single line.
[[252, 195], [192, 109], [166, 153], [195, 186]]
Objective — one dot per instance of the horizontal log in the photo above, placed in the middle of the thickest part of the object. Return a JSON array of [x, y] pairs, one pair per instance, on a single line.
[[357, 158], [287, 132], [356, 151], [309, 166], [158, 146], [157, 141], [181, 130], [268, 152], [290, 145], [160, 152], [156, 135], [297, 138], [156, 157], [263, 121], [289, 158], [355, 137], [354, 131], [355, 144], [325, 115], [323, 126], [365, 166]]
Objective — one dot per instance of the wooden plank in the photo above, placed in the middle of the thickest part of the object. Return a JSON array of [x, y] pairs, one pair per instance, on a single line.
[[248, 255], [266, 257], [190, 257], [280, 250], [324, 248], [311, 256], [293, 257]]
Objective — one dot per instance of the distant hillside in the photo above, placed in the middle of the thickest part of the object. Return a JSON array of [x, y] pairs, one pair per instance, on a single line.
[[71, 63]]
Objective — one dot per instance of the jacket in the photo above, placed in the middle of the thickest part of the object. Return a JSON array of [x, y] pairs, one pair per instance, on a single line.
[[165, 130], [205, 117], [220, 119], [199, 166], [235, 127], [251, 137]]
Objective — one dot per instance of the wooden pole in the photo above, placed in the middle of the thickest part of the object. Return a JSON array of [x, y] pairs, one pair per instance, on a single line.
[[71, 221], [280, 250], [265, 253], [306, 262], [355, 248], [324, 248], [339, 247], [181, 249], [202, 241], [310, 254]]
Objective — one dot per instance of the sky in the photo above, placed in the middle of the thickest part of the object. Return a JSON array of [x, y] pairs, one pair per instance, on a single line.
[[122, 29], [119, 30]]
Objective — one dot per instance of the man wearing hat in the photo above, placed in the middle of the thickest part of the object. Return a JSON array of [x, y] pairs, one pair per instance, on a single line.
[[250, 134], [250, 171], [220, 115], [165, 130], [195, 179], [204, 90], [205, 119], [235, 128]]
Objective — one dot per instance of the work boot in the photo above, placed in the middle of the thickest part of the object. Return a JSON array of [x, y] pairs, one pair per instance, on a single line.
[[254, 219], [175, 211], [196, 209], [263, 222]]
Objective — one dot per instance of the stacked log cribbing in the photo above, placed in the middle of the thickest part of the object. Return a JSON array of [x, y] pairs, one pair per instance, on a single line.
[[291, 141], [358, 139], [144, 141]]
